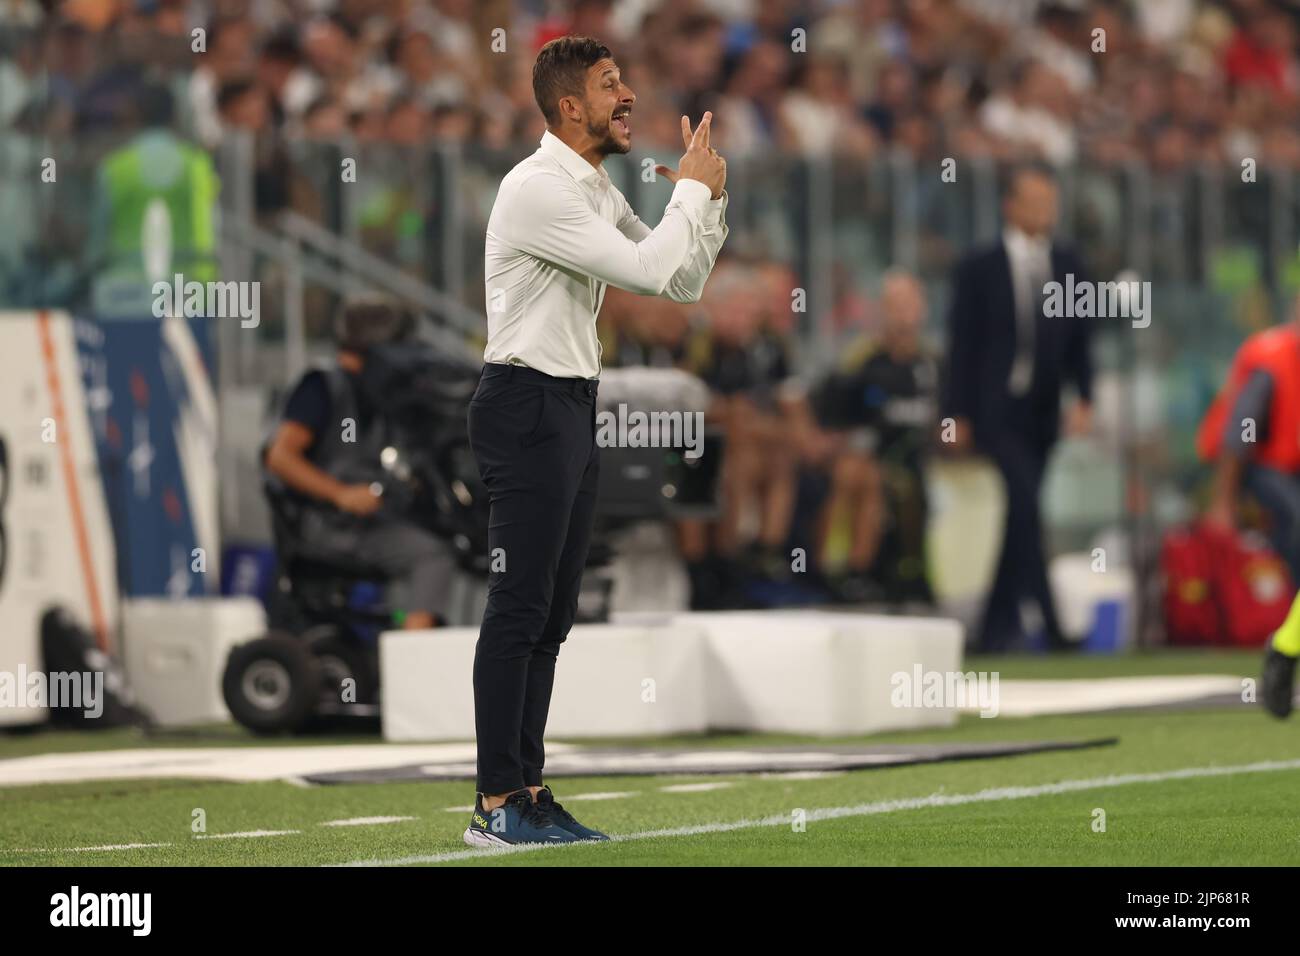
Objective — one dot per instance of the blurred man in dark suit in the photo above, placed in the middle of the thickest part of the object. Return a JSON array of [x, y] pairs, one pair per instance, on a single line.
[[1007, 363]]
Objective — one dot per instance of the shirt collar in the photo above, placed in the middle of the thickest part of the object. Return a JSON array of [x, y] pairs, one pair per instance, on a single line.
[[573, 164], [1021, 243]]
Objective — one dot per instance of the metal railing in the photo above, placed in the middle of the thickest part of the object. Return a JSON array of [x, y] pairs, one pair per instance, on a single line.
[[1220, 253]]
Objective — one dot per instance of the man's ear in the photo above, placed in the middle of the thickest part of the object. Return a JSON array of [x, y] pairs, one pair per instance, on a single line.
[[571, 108]]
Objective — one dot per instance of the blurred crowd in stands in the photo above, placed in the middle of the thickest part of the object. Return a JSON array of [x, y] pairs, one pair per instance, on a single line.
[[828, 469], [834, 459], [1176, 81]]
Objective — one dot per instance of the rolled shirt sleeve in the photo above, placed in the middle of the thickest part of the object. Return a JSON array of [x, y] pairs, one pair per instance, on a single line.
[[551, 220], [687, 283]]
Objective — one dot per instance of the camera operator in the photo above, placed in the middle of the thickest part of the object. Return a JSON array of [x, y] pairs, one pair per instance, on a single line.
[[326, 451]]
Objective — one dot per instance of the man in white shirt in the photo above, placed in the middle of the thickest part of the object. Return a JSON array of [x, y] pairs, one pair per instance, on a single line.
[[559, 234]]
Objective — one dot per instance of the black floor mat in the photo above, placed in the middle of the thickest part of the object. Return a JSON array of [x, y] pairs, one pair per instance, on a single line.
[[621, 762]]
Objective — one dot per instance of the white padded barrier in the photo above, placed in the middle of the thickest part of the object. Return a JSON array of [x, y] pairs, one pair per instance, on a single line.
[[175, 653], [611, 681], [779, 671], [822, 673]]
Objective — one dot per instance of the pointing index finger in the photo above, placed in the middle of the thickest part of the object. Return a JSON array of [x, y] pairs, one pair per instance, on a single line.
[[687, 135]]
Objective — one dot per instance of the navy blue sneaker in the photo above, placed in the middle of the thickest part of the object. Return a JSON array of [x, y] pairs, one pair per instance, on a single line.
[[518, 820], [563, 818]]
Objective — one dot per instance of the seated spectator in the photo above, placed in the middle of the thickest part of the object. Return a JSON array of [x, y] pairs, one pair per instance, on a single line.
[[880, 411], [651, 332], [744, 365]]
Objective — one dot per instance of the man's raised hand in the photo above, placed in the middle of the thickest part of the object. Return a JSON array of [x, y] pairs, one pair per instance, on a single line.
[[701, 162]]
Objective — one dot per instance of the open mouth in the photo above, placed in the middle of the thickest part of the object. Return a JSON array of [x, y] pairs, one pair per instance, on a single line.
[[620, 121]]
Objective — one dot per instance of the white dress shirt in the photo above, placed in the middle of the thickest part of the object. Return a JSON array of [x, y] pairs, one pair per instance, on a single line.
[[1030, 259], [559, 233]]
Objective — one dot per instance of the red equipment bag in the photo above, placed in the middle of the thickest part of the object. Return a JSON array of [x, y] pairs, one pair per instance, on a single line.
[[1252, 587], [1191, 616], [1223, 587]]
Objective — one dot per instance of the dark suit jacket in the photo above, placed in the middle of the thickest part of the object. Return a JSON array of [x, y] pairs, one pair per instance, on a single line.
[[982, 345]]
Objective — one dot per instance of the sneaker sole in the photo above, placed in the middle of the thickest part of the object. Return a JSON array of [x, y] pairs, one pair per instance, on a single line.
[[480, 838], [578, 837]]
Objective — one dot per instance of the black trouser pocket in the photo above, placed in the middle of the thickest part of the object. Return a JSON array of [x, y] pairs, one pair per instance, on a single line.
[[515, 413], [539, 431]]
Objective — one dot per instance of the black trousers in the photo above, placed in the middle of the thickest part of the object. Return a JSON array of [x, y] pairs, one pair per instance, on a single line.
[[534, 437], [1021, 455]]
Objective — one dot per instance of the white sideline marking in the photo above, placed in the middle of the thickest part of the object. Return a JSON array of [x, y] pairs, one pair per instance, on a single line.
[[990, 795], [600, 795], [697, 787], [468, 808], [246, 834], [96, 849], [364, 821], [801, 774], [1032, 698], [354, 822]]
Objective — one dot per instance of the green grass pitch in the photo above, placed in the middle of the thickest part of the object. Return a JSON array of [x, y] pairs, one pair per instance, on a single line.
[[1231, 819]]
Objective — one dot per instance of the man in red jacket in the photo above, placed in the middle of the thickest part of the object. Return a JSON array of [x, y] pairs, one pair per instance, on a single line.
[[1252, 434]]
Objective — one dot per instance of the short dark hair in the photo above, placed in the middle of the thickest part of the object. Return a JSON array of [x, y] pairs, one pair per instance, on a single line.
[[1012, 175], [364, 321], [561, 70]]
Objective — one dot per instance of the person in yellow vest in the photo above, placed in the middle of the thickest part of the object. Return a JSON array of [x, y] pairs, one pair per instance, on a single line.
[[1277, 686], [155, 216], [1252, 434]]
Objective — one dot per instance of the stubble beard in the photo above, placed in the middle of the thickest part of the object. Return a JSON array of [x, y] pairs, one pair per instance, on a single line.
[[606, 144]]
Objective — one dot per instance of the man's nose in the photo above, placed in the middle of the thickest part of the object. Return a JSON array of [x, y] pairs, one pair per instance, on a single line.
[[628, 96]]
